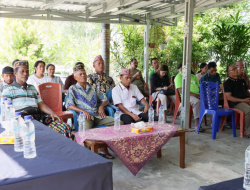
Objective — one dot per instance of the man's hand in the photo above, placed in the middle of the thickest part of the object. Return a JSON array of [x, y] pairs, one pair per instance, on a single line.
[[165, 88], [247, 100], [137, 74], [145, 86], [146, 108], [101, 112], [135, 117], [87, 115], [53, 116]]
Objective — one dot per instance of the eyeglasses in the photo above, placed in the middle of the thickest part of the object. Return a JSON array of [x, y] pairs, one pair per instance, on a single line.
[[235, 68]]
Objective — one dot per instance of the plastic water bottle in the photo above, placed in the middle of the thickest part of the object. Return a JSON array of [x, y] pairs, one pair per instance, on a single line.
[[9, 111], [246, 183], [18, 123], [29, 150], [117, 125], [81, 123], [161, 115], [9, 115], [3, 100], [151, 115]]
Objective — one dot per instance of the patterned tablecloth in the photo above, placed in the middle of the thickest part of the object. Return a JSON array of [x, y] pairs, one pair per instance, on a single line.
[[134, 150]]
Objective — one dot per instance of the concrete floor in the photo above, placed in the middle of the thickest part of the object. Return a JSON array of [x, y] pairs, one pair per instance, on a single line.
[[207, 162]]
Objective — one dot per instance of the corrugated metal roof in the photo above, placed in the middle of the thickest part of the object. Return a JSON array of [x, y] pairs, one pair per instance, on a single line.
[[104, 11]]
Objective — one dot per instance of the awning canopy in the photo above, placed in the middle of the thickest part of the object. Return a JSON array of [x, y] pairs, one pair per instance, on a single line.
[[163, 12]]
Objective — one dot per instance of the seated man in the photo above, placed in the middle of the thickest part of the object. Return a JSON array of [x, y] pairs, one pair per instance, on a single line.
[[82, 97], [99, 79], [194, 95], [8, 77], [241, 70], [70, 80], [124, 97], [24, 97], [137, 78], [237, 94], [212, 75], [155, 65]]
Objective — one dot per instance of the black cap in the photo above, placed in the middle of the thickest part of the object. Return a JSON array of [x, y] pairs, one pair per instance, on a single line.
[[78, 67], [179, 66], [7, 70], [79, 63]]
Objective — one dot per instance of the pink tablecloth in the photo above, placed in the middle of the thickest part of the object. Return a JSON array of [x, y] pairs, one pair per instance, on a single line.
[[134, 150]]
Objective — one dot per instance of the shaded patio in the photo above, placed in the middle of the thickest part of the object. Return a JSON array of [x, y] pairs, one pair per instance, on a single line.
[[207, 162]]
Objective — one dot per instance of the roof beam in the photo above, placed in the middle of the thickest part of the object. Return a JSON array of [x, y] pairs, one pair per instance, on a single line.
[[52, 4], [67, 16], [136, 6]]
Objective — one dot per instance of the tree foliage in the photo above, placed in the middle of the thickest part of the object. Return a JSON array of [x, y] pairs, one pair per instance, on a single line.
[[231, 40], [60, 43]]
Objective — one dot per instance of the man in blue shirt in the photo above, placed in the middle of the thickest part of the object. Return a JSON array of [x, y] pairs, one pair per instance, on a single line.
[[212, 75], [82, 97]]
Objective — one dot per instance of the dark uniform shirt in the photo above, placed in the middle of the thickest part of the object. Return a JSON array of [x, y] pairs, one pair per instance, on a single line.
[[156, 81], [237, 87]]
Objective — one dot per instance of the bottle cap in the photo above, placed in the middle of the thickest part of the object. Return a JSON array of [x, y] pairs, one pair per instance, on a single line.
[[27, 117], [117, 109], [5, 99], [151, 106], [81, 112], [17, 113], [9, 103], [161, 106]]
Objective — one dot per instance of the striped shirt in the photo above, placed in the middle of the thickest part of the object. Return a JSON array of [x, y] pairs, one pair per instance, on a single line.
[[20, 97], [88, 99]]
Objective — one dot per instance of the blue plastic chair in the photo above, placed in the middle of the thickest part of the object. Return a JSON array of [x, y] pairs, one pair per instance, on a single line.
[[109, 97], [209, 97], [75, 115]]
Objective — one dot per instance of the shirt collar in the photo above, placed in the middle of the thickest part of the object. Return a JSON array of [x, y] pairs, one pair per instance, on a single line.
[[123, 87], [233, 79], [80, 87], [4, 83], [16, 84], [99, 74]]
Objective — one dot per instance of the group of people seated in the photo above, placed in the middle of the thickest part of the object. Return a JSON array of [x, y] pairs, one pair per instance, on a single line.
[[235, 87], [87, 93]]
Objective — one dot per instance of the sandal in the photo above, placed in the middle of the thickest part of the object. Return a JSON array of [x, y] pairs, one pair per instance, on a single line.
[[108, 156]]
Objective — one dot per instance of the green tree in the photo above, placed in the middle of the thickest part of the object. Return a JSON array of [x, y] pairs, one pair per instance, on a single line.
[[231, 40]]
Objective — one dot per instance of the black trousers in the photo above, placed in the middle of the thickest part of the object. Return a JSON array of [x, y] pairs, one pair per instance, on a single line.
[[127, 119]]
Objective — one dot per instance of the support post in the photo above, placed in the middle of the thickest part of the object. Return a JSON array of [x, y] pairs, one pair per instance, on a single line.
[[187, 62], [106, 46], [146, 48]]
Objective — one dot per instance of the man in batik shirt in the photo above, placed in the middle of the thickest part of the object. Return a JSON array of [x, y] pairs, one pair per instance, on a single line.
[[99, 79]]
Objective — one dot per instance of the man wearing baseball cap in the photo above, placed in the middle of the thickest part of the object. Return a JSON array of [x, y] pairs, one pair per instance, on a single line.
[[125, 96], [8, 77]]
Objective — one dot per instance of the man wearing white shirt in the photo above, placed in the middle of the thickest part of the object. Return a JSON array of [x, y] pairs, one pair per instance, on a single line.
[[125, 96]]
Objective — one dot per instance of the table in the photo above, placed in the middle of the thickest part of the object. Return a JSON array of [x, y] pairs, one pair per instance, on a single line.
[[134, 150], [234, 184], [60, 164]]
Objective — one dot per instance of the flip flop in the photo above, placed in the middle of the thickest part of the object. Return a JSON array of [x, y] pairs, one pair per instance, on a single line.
[[108, 156]]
